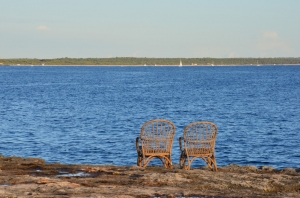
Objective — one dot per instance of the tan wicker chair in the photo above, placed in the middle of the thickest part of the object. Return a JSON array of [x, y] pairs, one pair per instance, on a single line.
[[155, 141], [199, 142]]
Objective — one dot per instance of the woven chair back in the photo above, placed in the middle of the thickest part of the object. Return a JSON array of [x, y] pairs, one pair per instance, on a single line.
[[157, 136], [200, 138]]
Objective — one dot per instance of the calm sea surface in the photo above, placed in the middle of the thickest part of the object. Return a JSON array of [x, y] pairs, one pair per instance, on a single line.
[[92, 115]]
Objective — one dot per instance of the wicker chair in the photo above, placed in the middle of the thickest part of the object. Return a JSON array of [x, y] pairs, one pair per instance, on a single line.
[[199, 142], [155, 141]]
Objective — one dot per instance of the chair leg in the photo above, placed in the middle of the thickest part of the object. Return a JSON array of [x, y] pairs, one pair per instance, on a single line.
[[182, 161], [143, 162], [170, 166], [214, 162], [186, 162], [163, 161], [189, 163], [192, 159], [169, 162], [166, 162], [147, 161], [209, 163], [139, 161]]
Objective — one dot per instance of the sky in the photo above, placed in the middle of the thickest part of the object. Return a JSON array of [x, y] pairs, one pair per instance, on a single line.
[[149, 28]]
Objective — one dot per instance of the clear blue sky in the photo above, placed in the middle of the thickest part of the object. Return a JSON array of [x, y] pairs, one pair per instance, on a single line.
[[149, 28]]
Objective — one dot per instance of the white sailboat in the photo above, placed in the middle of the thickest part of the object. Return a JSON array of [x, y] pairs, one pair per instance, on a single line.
[[180, 64]]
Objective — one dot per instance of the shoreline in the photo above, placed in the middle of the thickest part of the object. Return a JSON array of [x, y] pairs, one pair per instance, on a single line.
[[33, 177], [248, 65]]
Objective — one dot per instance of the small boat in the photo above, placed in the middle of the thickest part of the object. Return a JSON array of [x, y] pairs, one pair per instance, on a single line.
[[180, 64]]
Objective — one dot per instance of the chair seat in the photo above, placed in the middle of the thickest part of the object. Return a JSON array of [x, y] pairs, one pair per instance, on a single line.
[[199, 151], [156, 153]]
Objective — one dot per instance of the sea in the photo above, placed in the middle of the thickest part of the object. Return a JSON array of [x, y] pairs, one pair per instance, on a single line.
[[93, 114]]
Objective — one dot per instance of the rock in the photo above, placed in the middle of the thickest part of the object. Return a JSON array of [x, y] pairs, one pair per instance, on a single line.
[[176, 166], [35, 161], [22, 161], [267, 168], [34, 178], [289, 170], [41, 189], [61, 192], [136, 168], [251, 168]]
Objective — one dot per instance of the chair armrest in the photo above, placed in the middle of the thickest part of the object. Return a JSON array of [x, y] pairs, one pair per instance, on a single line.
[[180, 143]]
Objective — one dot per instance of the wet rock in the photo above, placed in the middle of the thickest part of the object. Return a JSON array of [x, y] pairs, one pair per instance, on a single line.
[[268, 168], [35, 161], [21, 161], [251, 168], [289, 170]]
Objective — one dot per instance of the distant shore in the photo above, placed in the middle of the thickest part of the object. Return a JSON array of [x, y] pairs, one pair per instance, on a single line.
[[20, 65], [144, 61]]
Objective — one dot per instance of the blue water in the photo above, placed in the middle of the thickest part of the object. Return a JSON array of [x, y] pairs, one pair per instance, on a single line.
[[92, 115]]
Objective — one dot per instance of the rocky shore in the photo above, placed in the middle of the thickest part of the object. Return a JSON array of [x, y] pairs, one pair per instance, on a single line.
[[32, 177]]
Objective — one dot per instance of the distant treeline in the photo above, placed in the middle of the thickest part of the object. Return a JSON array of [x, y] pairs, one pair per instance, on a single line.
[[151, 61]]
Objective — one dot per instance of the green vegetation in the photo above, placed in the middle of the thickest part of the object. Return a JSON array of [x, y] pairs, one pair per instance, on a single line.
[[151, 61]]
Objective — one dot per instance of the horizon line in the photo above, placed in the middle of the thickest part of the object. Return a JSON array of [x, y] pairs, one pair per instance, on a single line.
[[151, 57]]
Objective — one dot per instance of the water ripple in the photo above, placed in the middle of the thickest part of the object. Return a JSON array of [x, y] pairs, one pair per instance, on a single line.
[[92, 115]]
